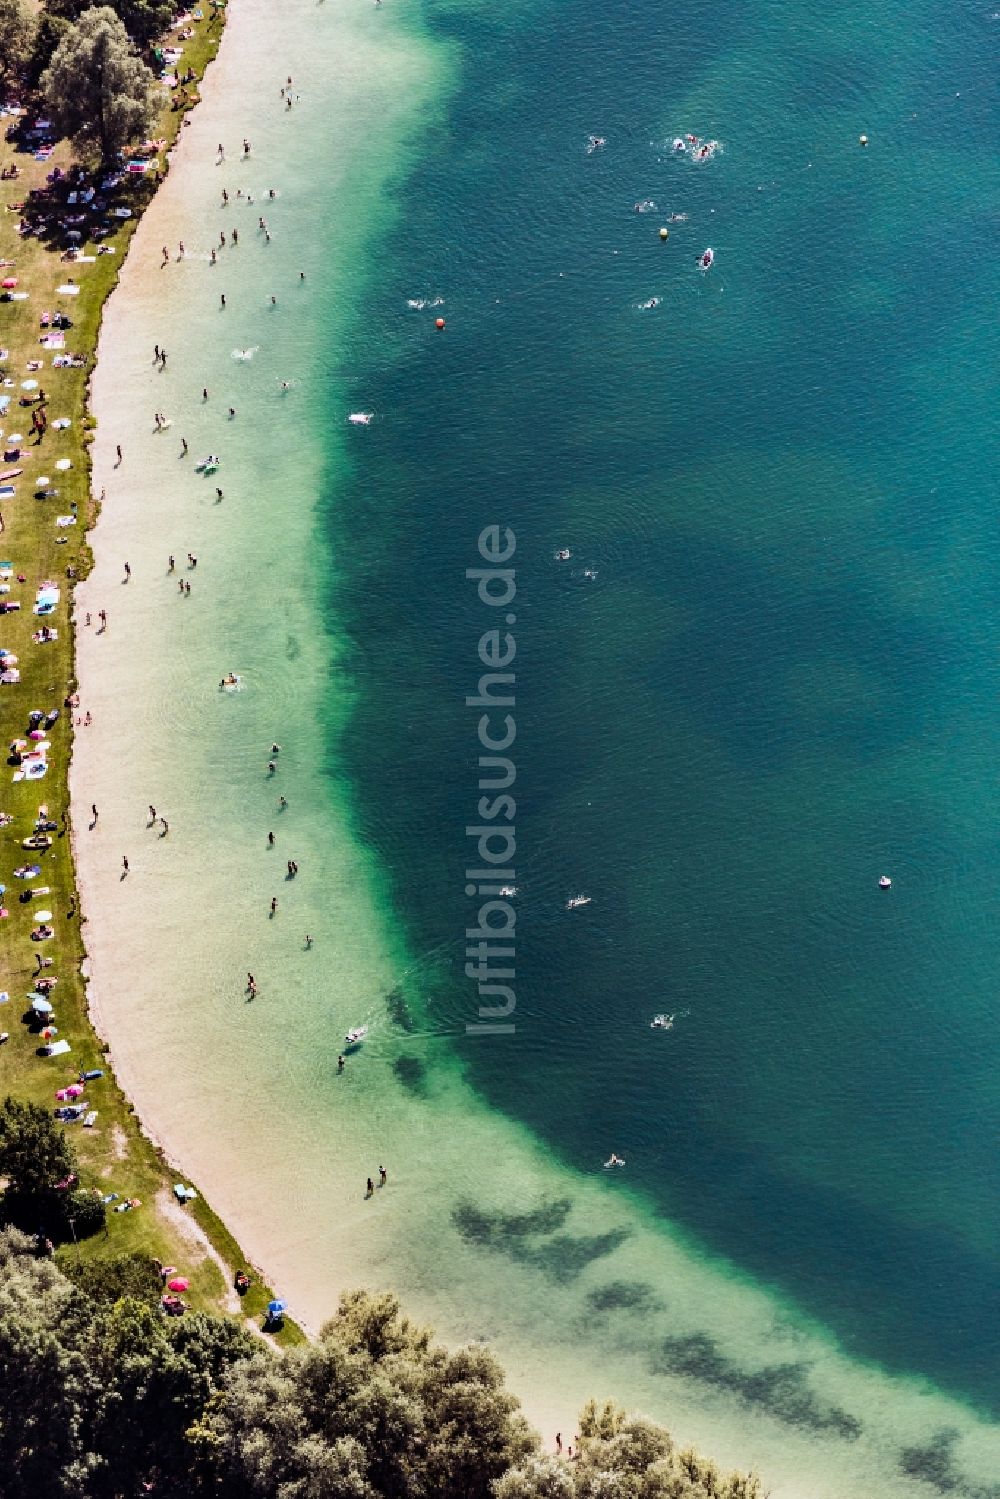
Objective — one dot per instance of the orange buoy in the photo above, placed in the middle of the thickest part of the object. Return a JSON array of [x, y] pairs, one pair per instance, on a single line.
[[439, 323]]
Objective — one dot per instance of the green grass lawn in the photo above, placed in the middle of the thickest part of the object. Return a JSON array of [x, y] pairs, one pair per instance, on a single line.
[[114, 1154]]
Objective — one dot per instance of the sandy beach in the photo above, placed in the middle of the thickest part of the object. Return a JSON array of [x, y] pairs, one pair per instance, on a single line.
[[243, 1090]]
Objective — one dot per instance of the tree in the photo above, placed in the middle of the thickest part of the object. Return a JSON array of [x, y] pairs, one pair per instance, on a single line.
[[17, 37], [97, 90], [142, 19], [46, 1384], [34, 1151], [108, 1279], [537, 1478]]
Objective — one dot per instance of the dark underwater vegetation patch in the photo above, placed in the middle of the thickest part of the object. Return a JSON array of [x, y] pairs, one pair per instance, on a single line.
[[411, 1073], [560, 1256], [502, 1230], [780, 1389], [399, 1010], [624, 1296]]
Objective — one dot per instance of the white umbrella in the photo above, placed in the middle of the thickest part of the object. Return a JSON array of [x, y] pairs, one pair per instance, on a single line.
[[43, 915], [29, 384]]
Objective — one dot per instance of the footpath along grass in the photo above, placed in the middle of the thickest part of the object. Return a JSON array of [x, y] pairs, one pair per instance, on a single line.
[[114, 1155]]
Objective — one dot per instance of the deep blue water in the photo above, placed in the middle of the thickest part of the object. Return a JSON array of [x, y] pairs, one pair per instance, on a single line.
[[783, 679]]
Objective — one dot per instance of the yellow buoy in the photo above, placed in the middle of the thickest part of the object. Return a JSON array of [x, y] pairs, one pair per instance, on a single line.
[[664, 233], [863, 140]]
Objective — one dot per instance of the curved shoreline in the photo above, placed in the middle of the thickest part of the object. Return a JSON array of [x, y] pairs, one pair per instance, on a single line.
[[265, 1028], [117, 1151]]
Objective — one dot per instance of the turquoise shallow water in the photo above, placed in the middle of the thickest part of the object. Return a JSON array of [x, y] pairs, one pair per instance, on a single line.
[[766, 674]]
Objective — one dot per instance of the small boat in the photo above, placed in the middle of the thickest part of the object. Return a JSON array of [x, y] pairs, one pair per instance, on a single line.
[[361, 418], [706, 260], [208, 465], [356, 1036], [884, 882], [613, 1160], [507, 891], [662, 1023], [578, 900], [594, 143]]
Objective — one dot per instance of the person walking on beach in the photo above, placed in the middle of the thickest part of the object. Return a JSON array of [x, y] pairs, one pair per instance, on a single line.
[[184, 447], [128, 573], [152, 814], [93, 813], [274, 904], [204, 393], [192, 560], [270, 840], [382, 1176], [282, 803], [309, 942], [222, 300], [371, 1188], [271, 768], [118, 450], [164, 824], [156, 353], [218, 494], [124, 868], [170, 564], [236, 238], [103, 617]]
